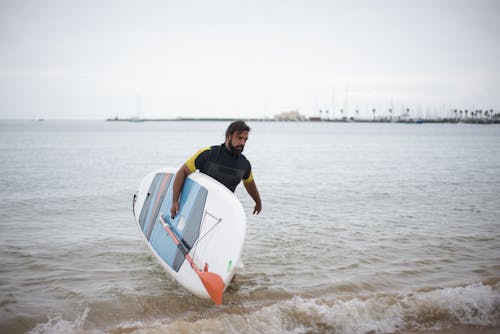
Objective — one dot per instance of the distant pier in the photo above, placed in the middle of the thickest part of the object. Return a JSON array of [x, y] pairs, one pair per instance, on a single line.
[[406, 116]]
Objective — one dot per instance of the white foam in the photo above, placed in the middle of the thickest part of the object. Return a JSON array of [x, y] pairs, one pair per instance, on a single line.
[[475, 304], [57, 325]]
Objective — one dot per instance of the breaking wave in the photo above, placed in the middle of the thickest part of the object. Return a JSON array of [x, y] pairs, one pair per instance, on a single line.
[[441, 309]]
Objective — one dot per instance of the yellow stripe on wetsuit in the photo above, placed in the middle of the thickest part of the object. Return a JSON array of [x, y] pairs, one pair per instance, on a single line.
[[249, 178], [190, 162]]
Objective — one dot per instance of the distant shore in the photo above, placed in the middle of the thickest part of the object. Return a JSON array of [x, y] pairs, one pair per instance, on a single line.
[[312, 119]]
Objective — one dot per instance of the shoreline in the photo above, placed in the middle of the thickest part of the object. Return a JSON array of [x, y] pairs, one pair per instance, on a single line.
[[310, 120]]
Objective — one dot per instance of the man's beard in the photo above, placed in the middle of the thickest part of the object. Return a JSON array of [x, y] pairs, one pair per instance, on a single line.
[[235, 149]]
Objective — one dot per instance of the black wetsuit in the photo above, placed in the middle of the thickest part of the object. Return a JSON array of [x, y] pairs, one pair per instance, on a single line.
[[223, 165]]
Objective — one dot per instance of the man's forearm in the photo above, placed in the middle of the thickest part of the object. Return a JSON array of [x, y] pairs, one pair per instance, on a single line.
[[253, 192], [180, 177]]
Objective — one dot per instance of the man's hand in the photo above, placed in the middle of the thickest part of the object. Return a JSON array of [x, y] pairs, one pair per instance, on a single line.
[[174, 210], [257, 208]]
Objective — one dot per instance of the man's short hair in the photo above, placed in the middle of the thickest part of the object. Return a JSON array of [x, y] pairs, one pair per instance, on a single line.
[[236, 126]]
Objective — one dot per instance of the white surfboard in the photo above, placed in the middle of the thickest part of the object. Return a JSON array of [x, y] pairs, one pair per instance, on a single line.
[[211, 225]]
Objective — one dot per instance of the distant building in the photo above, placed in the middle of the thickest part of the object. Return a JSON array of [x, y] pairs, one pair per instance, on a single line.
[[292, 115]]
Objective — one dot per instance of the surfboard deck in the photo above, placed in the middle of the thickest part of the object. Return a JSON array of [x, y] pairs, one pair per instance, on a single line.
[[211, 224]]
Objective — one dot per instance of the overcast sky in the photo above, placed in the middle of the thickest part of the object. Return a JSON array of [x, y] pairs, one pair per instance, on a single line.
[[93, 59]]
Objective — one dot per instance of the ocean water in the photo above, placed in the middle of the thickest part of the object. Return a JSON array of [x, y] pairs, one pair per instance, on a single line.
[[365, 228]]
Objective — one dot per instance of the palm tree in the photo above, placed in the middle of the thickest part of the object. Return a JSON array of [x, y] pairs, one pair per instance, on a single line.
[[455, 111], [373, 113]]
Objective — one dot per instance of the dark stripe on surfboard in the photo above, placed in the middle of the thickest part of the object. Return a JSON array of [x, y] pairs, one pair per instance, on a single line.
[[147, 202], [191, 232]]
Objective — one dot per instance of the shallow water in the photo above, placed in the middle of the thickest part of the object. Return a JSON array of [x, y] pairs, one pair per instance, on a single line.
[[365, 228]]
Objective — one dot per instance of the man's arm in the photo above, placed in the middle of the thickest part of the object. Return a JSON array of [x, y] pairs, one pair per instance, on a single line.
[[252, 190], [180, 177]]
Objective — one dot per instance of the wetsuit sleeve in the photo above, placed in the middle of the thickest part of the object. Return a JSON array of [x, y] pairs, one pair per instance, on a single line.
[[198, 159], [248, 176]]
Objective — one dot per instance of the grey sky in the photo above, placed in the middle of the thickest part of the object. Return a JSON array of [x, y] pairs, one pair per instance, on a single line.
[[91, 59]]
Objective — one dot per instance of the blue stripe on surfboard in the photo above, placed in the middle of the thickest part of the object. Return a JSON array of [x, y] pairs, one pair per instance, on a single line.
[[162, 190], [191, 208], [159, 190]]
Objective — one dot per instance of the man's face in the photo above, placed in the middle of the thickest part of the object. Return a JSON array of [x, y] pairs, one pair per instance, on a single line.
[[237, 141]]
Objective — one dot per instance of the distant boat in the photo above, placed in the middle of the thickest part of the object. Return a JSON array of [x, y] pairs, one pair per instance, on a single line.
[[137, 118]]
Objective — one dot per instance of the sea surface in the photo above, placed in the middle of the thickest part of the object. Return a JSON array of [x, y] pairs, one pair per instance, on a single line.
[[365, 228]]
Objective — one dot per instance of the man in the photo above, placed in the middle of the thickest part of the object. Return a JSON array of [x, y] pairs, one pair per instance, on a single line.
[[225, 163]]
